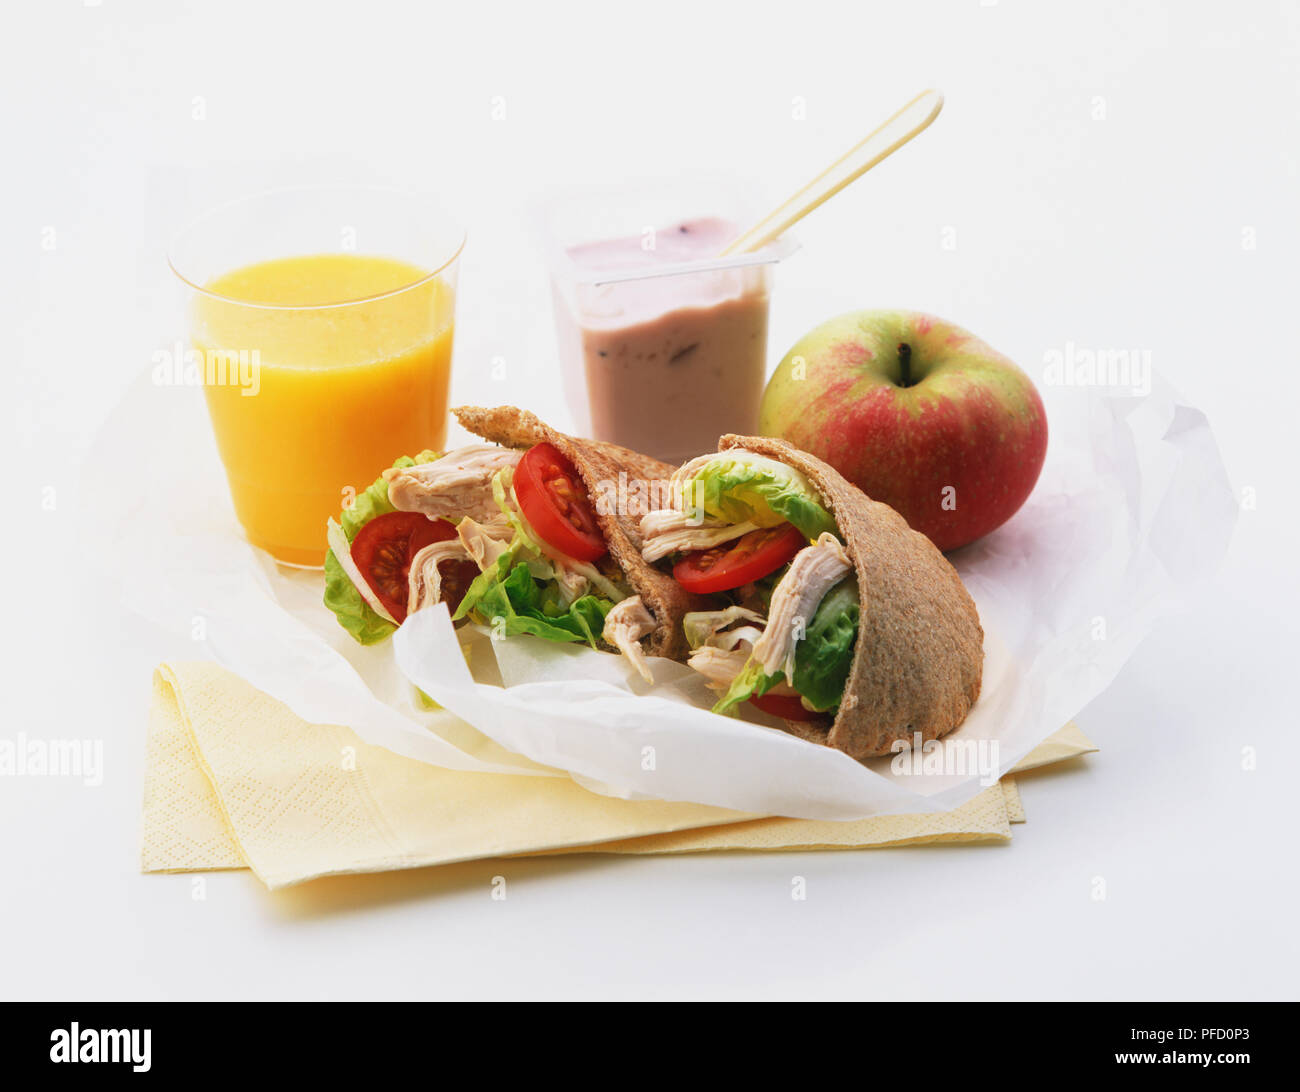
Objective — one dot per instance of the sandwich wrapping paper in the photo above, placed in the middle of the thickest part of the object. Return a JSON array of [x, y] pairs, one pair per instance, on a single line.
[[1133, 508]]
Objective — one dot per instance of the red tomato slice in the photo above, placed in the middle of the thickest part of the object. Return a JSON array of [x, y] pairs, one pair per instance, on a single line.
[[741, 561], [457, 576], [785, 706], [383, 550], [555, 503]]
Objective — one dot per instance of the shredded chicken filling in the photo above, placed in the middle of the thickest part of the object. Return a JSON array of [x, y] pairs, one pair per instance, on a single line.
[[424, 584], [459, 484], [813, 572], [625, 625], [485, 542], [459, 487], [668, 531], [481, 543]]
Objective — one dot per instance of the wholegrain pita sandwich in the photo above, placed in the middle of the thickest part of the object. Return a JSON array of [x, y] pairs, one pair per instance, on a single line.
[[609, 472], [518, 534], [829, 611]]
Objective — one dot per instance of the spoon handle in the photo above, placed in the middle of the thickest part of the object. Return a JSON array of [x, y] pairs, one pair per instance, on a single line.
[[879, 144]]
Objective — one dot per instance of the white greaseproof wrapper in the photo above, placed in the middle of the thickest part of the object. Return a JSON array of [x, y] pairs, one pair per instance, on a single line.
[[587, 712], [1132, 509]]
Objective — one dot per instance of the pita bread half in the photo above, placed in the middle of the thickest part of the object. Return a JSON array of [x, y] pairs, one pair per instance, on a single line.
[[919, 658], [599, 463]]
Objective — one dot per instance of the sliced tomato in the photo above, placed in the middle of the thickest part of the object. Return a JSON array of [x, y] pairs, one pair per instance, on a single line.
[[785, 706], [741, 561], [556, 505], [457, 576], [383, 550]]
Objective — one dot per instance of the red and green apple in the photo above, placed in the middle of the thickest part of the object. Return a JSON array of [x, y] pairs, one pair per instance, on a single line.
[[919, 414]]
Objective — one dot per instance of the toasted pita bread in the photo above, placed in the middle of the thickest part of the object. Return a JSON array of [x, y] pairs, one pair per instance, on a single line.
[[600, 462], [919, 658]]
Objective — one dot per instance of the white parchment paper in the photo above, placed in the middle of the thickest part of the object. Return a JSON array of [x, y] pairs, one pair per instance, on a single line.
[[1133, 508]]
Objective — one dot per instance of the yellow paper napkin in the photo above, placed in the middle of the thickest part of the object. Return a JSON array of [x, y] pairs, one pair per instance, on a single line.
[[235, 780]]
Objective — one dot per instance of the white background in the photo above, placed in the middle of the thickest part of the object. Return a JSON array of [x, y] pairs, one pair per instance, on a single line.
[[1105, 169]]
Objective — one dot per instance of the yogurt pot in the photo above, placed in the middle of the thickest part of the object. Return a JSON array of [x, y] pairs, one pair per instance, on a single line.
[[663, 345]]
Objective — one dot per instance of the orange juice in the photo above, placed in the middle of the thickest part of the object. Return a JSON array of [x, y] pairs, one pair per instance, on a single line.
[[345, 364]]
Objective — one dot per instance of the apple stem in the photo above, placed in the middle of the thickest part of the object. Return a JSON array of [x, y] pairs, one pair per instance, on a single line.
[[905, 364]]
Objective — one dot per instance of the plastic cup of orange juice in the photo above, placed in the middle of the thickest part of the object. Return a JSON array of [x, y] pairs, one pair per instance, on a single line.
[[323, 319]]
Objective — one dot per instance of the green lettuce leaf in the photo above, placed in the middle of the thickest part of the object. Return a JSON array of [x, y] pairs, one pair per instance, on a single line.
[[353, 613], [739, 486], [520, 595], [823, 658], [750, 683], [508, 599]]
